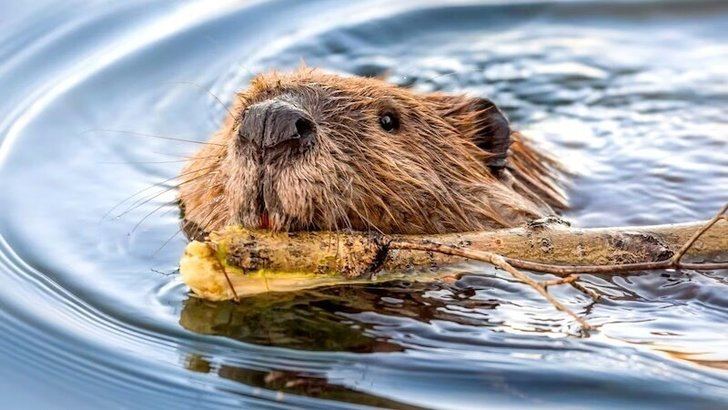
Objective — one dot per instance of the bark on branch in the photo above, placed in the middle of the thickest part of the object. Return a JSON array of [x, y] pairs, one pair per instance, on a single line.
[[237, 262]]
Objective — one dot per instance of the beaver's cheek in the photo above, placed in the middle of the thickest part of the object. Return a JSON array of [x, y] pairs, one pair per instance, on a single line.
[[242, 184]]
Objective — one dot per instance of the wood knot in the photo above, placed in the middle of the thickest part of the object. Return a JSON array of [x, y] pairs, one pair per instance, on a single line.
[[634, 247], [546, 245]]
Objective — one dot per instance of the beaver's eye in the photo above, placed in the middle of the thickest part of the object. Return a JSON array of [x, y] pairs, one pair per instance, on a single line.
[[389, 122]]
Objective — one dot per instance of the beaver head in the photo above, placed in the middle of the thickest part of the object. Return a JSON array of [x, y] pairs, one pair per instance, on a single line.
[[314, 151]]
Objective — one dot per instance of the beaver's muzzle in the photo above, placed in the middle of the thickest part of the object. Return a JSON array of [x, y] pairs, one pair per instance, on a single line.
[[277, 125]]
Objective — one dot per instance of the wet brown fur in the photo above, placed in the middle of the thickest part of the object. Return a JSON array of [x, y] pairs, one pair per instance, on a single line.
[[429, 176]]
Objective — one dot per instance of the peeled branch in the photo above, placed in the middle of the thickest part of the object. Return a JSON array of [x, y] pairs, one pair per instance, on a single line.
[[236, 262]]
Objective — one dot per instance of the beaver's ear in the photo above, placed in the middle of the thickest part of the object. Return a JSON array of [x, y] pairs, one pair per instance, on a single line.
[[478, 120]]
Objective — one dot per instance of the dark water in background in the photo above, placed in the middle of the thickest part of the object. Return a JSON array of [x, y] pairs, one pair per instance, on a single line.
[[632, 95]]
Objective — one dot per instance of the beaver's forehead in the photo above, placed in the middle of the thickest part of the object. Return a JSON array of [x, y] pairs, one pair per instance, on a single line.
[[323, 84]]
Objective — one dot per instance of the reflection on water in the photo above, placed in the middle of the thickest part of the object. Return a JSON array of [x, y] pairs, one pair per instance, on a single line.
[[631, 95], [306, 320], [327, 318], [291, 382]]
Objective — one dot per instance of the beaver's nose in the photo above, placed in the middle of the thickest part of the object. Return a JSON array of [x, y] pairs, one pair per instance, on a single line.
[[277, 123]]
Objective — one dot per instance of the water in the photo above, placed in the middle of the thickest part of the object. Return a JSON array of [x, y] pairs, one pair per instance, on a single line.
[[632, 95]]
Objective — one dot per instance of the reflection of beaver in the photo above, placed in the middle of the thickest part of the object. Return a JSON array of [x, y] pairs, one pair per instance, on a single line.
[[315, 151]]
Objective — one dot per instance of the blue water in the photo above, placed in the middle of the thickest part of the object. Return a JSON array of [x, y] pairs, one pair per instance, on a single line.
[[632, 96]]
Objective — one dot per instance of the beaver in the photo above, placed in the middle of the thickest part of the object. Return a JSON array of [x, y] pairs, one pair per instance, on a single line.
[[311, 150]]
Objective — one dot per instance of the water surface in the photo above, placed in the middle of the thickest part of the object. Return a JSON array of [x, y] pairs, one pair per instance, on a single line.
[[633, 97]]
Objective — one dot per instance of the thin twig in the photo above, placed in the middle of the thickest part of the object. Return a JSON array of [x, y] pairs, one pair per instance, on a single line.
[[500, 261], [679, 254], [561, 281], [572, 280], [230, 283], [494, 259], [572, 272], [594, 295]]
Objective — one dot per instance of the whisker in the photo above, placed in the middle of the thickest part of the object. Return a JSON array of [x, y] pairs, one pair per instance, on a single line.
[[222, 104], [176, 155], [219, 154], [365, 219], [172, 209], [144, 134], [184, 159], [137, 204], [213, 211], [172, 237], [151, 187], [150, 214], [141, 162], [167, 241]]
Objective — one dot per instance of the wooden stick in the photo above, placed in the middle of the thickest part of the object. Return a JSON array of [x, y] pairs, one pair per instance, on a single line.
[[259, 261]]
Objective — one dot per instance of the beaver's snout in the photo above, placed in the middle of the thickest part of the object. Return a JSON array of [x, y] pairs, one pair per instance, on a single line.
[[277, 125]]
